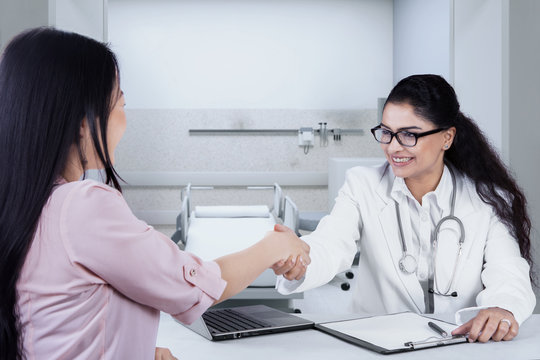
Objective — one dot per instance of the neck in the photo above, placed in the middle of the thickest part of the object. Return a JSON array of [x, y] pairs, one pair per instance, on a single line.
[[420, 186], [73, 170]]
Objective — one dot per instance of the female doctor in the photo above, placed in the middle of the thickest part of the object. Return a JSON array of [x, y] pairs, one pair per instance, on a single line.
[[441, 227]]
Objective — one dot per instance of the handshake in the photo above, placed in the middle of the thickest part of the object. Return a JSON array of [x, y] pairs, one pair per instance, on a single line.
[[294, 253]]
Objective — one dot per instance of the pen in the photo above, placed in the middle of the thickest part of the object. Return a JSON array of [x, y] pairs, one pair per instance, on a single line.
[[438, 329]]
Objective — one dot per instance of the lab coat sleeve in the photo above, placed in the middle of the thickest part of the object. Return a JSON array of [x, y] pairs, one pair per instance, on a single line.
[[332, 244], [505, 276]]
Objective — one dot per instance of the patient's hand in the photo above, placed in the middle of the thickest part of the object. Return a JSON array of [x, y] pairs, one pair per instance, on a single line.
[[294, 267], [164, 354]]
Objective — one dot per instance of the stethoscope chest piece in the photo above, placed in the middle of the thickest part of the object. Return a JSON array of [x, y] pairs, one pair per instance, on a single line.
[[408, 264]]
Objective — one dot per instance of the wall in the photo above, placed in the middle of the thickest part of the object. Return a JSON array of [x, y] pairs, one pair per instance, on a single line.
[[227, 54], [478, 64], [245, 65], [523, 95], [497, 80], [86, 17], [423, 42], [29, 13]]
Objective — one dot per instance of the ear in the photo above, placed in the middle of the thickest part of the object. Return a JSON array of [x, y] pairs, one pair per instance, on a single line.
[[449, 135]]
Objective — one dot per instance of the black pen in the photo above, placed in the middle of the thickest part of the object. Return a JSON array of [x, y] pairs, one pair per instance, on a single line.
[[438, 329]]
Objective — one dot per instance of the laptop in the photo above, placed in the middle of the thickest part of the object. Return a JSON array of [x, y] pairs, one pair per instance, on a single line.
[[244, 321]]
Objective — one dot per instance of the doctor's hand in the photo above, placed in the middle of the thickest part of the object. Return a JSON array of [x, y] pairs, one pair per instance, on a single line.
[[492, 323], [294, 268]]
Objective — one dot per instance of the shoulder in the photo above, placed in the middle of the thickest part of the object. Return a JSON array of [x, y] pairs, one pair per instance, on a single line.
[[367, 181], [468, 197], [369, 176], [85, 188], [86, 196]]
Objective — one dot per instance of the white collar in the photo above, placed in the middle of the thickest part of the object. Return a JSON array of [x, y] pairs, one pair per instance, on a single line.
[[440, 196]]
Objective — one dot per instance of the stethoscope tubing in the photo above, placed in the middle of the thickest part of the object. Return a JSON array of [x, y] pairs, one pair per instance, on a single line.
[[408, 263]]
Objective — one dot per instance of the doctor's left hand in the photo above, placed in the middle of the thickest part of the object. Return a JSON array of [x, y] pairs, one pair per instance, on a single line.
[[292, 268], [492, 323]]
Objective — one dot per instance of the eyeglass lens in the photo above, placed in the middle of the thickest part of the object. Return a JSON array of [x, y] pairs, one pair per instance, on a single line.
[[404, 137]]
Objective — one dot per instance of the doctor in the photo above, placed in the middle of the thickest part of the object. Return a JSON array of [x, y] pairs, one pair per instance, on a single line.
[[442, 227]]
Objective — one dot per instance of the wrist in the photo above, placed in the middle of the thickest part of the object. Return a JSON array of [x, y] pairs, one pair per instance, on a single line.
[[270, 250]]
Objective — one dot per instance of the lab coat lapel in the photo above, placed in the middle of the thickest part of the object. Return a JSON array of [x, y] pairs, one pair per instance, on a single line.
[[447, 248], [389, 225]]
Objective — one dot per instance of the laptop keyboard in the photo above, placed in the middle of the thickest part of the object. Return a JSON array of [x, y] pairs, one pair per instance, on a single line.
[[228, 320]]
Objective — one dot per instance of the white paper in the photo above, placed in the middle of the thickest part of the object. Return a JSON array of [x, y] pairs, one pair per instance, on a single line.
[[391, 331]]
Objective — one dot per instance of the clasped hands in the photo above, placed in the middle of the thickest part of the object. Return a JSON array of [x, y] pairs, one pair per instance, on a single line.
[[295, 266]]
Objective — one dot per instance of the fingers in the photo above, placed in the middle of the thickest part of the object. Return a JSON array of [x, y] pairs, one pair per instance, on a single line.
[[292, 268], [512, 332], [298, 271], [503, 329], [489, 329], [493, 323], [281, 228], [282, 266], [463, 329]]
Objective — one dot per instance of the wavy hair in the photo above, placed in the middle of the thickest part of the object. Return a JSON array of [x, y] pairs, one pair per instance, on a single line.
[[50, 81], [435, 100]]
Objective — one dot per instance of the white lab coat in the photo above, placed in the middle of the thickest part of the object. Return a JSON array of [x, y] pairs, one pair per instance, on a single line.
[[490, 270]]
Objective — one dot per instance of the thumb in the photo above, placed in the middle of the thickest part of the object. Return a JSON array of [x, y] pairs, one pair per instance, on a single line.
[[281, 228]]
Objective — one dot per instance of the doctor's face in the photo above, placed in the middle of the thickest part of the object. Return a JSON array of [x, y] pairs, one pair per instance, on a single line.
[[422, 162]]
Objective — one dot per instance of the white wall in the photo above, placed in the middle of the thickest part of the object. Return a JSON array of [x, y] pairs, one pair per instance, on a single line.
[[296, 54], [86, 17], [478, 64], [18, 15], [523, 115], [423, 38]]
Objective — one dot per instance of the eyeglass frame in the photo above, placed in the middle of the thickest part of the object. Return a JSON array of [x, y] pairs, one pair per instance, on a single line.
[[415, 135]]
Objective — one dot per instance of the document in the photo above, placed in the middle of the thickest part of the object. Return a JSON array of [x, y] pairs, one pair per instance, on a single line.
[[388, 334]]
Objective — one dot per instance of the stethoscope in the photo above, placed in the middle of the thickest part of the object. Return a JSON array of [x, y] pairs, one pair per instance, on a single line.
[[408, 263]]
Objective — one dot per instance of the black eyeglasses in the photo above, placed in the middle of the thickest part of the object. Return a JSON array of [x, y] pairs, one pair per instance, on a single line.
[[405, 138]]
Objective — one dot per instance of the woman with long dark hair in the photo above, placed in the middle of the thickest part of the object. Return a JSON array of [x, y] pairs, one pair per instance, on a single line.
[[442, 226], [80, 276]]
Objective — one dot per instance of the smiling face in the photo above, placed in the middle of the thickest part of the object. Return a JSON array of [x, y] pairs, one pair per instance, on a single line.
[[422, 163]]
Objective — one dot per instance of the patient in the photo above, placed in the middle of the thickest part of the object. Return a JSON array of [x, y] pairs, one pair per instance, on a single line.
[[80, 276]]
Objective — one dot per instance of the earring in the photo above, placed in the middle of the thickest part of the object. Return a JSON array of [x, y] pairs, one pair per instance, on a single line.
[[446, 147]]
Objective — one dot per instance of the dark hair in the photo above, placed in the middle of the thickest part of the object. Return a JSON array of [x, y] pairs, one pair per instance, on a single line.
[[50, 81], [435, 100]]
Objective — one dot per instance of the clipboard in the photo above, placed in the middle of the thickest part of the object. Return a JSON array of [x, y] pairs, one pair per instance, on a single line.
[[394, 333]]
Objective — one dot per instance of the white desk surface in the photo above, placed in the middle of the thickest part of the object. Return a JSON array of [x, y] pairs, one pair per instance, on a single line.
[[313, 344]]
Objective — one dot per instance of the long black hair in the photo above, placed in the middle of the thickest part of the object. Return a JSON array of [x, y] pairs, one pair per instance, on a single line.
[[50, 81], [435, 100]]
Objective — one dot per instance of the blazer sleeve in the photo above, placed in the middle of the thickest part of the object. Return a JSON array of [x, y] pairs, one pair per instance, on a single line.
[[505, 276], [111, 246], [332, 244]]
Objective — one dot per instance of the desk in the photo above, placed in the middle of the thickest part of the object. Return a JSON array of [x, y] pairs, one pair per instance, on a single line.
[[313, 345]]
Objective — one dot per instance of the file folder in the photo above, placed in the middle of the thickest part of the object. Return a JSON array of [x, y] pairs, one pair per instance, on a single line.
[[394, 333]]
